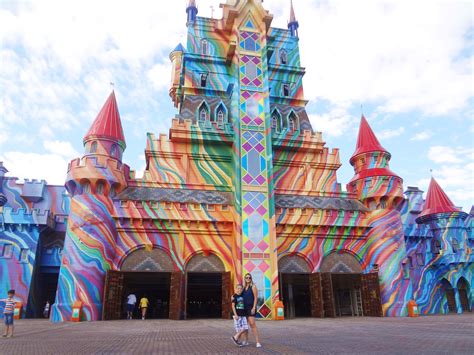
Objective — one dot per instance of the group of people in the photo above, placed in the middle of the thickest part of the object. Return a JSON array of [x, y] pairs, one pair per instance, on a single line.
[[244, 309], [131, 303]]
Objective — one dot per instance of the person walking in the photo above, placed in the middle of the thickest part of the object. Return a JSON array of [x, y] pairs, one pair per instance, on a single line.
[[131, 301], [144, 306], [46, 310], [250, 295]]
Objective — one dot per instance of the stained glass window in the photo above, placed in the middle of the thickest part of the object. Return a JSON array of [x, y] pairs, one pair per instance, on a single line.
[[249, 41]]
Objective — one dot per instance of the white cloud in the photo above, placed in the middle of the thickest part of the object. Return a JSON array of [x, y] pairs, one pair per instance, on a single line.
[[421, 136], [445, 154], [390, 133], [50, 167], [64, 149], [334, 123]]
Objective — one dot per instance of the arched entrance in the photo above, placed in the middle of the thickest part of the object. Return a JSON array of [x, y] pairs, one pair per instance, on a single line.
[[144, 273], [207, 288], [450, 296], [346, 290], [294, 273], [463, 289]]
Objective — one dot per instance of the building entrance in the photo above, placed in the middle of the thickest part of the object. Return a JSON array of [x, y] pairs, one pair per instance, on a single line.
[[204, 295], [208, 288], [296, 295], [295, 291], [155, 286], [463, 289], [347, 294]]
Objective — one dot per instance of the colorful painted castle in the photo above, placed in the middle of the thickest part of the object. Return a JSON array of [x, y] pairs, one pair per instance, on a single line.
[[242, 184]]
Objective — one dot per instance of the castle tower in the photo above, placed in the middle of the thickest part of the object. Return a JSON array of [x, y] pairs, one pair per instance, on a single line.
[[449, 243], [373, 183], [89, 249], [192, 12], [293, 25]]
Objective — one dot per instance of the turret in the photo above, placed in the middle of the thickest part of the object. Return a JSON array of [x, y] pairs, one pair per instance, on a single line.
[[90, 242], [176, 57], [104, 145], [446, 222], [192, 11], [373, 183], [293, 25]]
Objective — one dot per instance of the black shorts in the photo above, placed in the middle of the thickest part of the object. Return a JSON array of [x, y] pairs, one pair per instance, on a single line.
[[248, 312]]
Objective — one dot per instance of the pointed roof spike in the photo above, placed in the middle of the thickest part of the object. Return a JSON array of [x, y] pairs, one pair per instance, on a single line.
[[107, 123], [192, 3], [437, 201], [366, 140], [292, 13]]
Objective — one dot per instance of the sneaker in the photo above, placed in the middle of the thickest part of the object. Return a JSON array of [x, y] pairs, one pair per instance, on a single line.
[[4, 335], [10, 336], [143, 318], [258, 345], [236, 342], [244, 343]]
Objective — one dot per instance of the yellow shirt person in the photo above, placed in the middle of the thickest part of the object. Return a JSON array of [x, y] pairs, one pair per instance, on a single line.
[[144, 305]]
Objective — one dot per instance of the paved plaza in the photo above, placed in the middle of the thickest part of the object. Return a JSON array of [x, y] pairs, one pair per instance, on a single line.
[[433, 334]]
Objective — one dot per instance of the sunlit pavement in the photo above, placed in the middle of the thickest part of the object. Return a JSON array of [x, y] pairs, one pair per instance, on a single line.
[[433, 334]]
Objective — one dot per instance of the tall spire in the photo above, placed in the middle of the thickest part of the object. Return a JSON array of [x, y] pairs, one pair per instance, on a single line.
[[293, 24], [437, 201], [366, 141], [107, 123], [192, 11], [292, 13]]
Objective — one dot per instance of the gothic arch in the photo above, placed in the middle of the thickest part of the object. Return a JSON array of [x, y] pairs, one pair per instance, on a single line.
[[293, 124], [156, 260], [205, 263], [276, 120], [203, 114], [341, 262], [221, 115], [293, 264]]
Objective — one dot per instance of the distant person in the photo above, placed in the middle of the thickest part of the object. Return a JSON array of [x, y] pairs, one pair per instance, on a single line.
[[8, 313], [46, 309], [250, 294], [131, 302], [238, 310], [144, 306]]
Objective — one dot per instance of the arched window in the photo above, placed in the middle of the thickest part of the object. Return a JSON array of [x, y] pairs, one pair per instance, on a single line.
[[276, 121], [93, 147], [435, 246], [204, 47], [220, 115], [292, 122], [100, 188], [113, 150], [86, 187], [285, 90], [455, 245], [204, 117], [283, 57]]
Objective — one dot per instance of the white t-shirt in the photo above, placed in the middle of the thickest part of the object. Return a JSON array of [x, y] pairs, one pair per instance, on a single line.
[[131, 299]]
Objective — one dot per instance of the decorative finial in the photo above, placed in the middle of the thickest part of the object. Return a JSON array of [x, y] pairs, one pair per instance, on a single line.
[[212, 11], [112, 85], [361, 110], [431, 172]]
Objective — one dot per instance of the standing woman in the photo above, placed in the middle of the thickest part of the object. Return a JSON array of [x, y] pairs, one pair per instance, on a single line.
[[144, 306], [250, 295]]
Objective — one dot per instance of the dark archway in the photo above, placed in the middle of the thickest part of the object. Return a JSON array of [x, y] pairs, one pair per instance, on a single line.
[[464, 292], [450, 295], [347, 291], [207, 287], [294, 273]]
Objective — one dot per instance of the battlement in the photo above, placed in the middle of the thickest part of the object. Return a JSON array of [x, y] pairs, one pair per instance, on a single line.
[[98, 162], [32, 190], [24, 217]]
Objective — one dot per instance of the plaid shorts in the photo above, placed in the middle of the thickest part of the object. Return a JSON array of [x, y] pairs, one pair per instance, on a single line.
[[240, 324]]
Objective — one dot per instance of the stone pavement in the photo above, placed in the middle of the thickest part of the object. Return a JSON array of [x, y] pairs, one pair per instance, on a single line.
[[453, 334]]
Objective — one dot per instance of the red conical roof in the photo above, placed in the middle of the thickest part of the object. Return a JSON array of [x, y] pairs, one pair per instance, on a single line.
[[107, 123], [367, 141], [437, 201]]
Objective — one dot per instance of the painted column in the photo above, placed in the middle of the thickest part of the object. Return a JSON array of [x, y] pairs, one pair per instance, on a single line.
[[258, 222]]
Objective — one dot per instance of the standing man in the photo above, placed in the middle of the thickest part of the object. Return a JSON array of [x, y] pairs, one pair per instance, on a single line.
[[46, 309], [131, 301]]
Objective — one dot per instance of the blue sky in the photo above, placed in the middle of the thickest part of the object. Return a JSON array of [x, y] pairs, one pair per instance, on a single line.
[[409, 63]]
